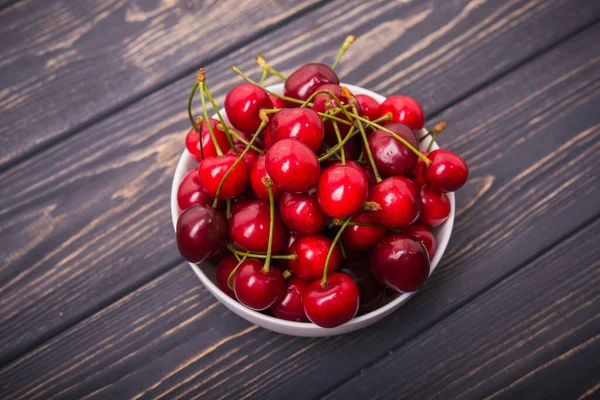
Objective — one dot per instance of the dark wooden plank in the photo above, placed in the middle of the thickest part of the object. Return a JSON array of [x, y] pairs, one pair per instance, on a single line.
[[536, 335], [92, 223], [532, 143], [64, 62]]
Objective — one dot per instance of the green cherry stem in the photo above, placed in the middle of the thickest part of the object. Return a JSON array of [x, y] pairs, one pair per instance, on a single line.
[[262, 256], [262, 78], [228, 209], [368, 149], [260, 60], [249, 80], [433, 139], [334, 150], [210, 129], [241, 139], [339, 138], [287, 274], [268, 183], [386, 117], [192, 93], [435, 130], [349, 40], [233, 271], [225, 128], [335, 240]]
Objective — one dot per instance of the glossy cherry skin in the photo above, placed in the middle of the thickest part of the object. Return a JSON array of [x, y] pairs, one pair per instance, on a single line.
[[422, 233], [224, 269], [289, 306], [277, 101], [243, 104], [190, 192], [212, 170], [362, 238], [319, 106], [292, 166], [257, 173], [333, 304], [249, 227], [287, 249], [369, 107], [300, 212], [312, 252], [305, 80], [256, 288], [417, 175], [447, 171], [399, 200], [342, 189], [370, 291], [303, 124], [400, 262], [391, 156], [435, 207], [201, 233], [249, 158], [192, 141], [405, 110]]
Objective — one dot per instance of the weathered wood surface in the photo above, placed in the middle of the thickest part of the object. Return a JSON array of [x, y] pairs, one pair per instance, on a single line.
[[93, 223], [532, 142]]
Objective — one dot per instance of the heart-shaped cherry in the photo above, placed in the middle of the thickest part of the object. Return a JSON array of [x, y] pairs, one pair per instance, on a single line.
[[435, 207], [311, 252], [201, 232], [369, 107], [249, 227], [332, 304], [212, 170], [447, 171], [399, 201], [400, 262], [243, 104], [289, 306], [224, 269], [257, 174], [301, 212], [392, 157], [303, 124], [405, 110], [255, 287], [192, 141], [362, 237], [292, 166], [422, 233], [190, 192], [342, 189], [370, 291], [303, 82]]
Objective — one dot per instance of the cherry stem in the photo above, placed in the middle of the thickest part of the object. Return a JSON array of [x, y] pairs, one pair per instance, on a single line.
[[349, 40], [249, 80], [243, 141], [287, 274], [386, 117], [233, 271], [195, 126], [263, 77], [335, 240], [256, 255], [342, 250], [334, 118], [225, 128], [337, 147], [433, 139], [374, 226], [268, 183], [339, 138], [318, 92], [433, 131], [260, 60], [228, 209], [210, 129], [368, 149]]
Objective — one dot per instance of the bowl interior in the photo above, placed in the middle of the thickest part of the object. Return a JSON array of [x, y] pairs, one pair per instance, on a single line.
[[206, 272]]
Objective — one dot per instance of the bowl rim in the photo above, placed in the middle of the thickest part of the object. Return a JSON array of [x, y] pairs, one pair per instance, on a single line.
[[308, 328]]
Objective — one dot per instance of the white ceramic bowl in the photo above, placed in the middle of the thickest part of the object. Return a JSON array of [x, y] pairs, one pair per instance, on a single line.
[[206, 271]]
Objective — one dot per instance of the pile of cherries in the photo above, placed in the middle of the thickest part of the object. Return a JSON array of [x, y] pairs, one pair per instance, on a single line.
[[313, 203]]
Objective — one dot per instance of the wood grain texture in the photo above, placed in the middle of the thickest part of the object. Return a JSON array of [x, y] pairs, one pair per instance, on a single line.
[[66, 62], [537, 133], [93, 221]]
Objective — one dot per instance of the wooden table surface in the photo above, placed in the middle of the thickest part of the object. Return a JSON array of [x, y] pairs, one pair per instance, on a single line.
[[95, 301]]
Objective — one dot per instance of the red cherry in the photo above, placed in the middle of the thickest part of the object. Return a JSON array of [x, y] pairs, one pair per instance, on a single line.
[[351, 150], [342, 189], [287, 249], [201, 233], [362, 238], [333, 304], [370, 175], [224, 269], [257, 173], [293, 166], [312, 253], [370, 291], [243, 104], [399, 200], [258, 142], [369, 106], [249, 227], [405, 110], [249, 158], [391, 156], [400, 262], [435, 207], [447, 171], [289, 306], [303, 124], [423, 234], [256, 288], [192, 141], [278, 102], [190, 192], [268, 137], [301, 212], [305, 80], [417, 175], [212, 170], [319, 106]]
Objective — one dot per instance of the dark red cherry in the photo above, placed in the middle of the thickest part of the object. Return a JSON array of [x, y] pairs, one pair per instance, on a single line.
[[400, 262], [447, 171], [224, 269], [287, 249], [249, 227], [422, 233], [391, 156], [243, 104], [257, 174], [277, 101], [399, 200], [190, 192], [417, 175], [362, 238], [320, 106], [342, 189], [303, 124], [249, 158], [352, 150], [300, 212], [405, 110], [333, 304], [370, 291], [370, 175], [369, 107], [289, 306], [256, 288], [312, 252], [212, 170], [293, 166], [435, 207], [201, 233], [192, 141], [305, 80]]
